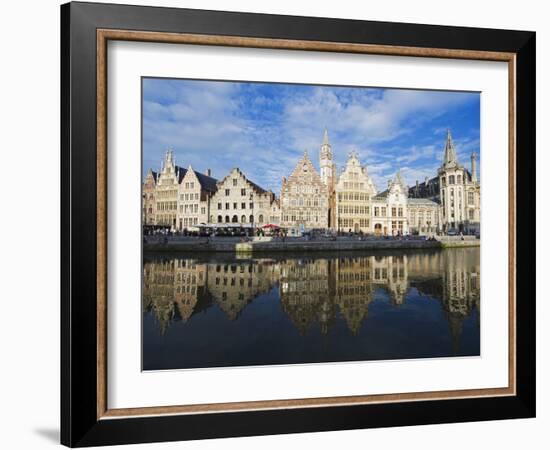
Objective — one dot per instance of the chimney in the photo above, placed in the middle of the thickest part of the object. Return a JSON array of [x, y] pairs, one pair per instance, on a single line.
[[417, 188], [209, 172]]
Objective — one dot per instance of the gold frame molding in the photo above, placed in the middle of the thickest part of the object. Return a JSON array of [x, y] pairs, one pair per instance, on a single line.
[[105, 35]]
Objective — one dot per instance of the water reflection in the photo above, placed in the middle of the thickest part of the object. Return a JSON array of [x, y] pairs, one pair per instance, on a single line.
[[415, 294]]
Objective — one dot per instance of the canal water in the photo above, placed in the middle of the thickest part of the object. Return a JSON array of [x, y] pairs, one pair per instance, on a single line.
[[219, 310]]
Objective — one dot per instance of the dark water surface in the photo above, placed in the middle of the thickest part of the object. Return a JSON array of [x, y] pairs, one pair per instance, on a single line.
[[215, 310]]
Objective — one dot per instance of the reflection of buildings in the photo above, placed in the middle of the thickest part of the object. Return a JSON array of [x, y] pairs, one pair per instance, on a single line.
[[390, 272], [461, 289], [178, 288], [315, 290], [233, 285], [304, 292], [189, 285], [172, 289], [354, 289]]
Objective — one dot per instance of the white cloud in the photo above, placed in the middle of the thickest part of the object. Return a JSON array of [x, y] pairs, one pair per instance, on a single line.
[[210, 124]]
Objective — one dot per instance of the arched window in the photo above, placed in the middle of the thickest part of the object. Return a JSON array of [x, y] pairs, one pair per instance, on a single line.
[[220, 220], [243, 219], [261, 218], [226, 219], [251, 218], [234, 219]]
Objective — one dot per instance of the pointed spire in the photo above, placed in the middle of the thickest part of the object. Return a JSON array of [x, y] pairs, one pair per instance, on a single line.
[[399, 178], [325, 137], [449, 155], [326, 151]]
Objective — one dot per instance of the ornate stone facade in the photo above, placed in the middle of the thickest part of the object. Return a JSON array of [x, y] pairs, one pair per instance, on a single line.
[[275, 212], [183, 198], [239, 200], [423, 216], [304, 198], [149, 203], [353, 194], [456, 189], [168, 181], [195, 191], [389, 209]]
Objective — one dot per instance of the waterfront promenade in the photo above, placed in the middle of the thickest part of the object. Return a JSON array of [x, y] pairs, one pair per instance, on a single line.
[[290, 244]]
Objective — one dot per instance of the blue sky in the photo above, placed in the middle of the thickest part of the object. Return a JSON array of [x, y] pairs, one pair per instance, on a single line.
[[264, 128]]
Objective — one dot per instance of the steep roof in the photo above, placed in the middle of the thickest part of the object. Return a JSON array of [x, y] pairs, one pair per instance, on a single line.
[[153, 174], [256, 187], [181, 173], [381, 195], [425, 190], [207, 183]]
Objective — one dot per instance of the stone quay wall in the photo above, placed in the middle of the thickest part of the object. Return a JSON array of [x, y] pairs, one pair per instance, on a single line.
[[263, 245]]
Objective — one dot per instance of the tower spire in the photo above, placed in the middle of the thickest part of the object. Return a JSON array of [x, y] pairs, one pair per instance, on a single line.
[[449, 155], [325, 137], [325, 161]]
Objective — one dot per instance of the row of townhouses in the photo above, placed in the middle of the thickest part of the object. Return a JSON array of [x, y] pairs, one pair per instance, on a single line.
[[182, 198]]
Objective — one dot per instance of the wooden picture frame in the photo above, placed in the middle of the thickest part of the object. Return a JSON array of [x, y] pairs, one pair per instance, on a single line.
[[85, 416]]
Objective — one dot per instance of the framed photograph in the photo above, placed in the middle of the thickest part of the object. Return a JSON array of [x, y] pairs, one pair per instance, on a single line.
[[276, 224]]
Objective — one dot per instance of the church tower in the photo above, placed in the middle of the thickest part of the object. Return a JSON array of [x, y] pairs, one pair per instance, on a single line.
[[328, 177], [326, 163], [452, 180], [474, 167]]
